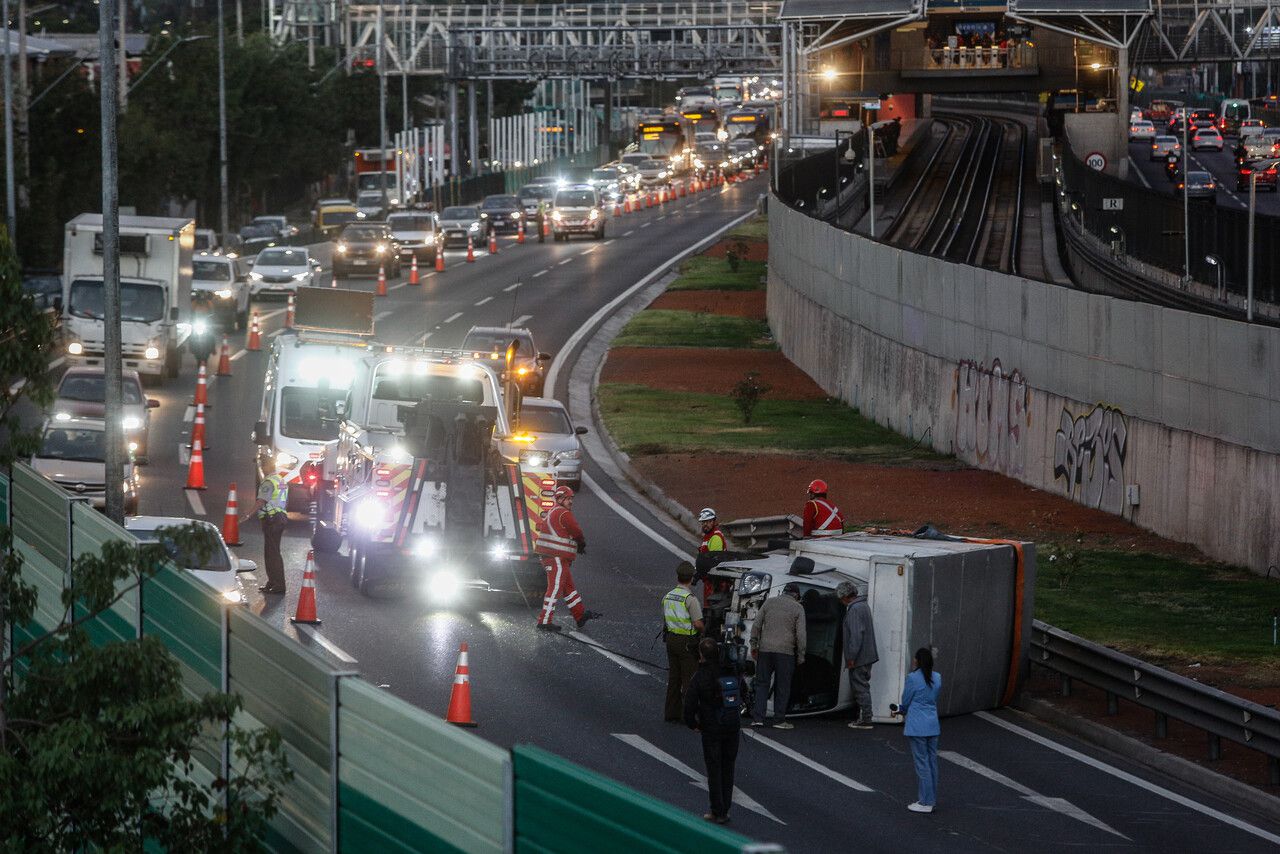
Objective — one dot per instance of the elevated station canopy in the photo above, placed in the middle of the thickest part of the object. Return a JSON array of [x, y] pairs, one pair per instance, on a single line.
[[843, 21], [1114, 23]]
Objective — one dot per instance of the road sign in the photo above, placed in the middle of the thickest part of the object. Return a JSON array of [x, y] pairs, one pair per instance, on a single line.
[[1096, 161], [870, 105], [1113, 204]]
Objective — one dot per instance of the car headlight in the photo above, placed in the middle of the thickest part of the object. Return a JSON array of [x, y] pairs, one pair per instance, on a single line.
[[235, 597], [557, 216], [498, 552], [444, 586], [515, 214], [256, 276], [285, 460], [569, 455], [425, 546], [133, 447], [225, 293], [662, 174], [724, 163], [75, 348], [537, 459], [475, 226], [594, 215], [199, 327], [342, 248], [380, 248], [298, 277], [131, 422], [752, 582], [370, 514], [151, 353]]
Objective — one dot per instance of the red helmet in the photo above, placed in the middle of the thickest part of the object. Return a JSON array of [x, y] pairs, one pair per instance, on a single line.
[[818, 487], [563, 492]]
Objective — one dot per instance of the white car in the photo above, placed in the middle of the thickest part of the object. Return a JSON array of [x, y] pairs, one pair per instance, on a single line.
[[279, 223], [220, 289], [369, 204], [417, 232], [1141, 130], [81, 393], [1251, 127], [549, 443], [1206, 139], [1164, 145], [576, 210], [73, 454], [281, 270], [215, 565]]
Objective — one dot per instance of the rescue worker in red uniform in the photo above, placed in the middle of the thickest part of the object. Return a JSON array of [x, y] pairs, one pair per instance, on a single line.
[[559, 541], [821, 517], [713, 540]]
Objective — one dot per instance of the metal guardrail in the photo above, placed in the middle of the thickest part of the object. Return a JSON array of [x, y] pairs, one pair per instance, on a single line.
[[1218, 713]]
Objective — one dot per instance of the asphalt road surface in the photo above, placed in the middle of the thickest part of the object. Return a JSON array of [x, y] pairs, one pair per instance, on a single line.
[[1220, 164], [1006, 784]]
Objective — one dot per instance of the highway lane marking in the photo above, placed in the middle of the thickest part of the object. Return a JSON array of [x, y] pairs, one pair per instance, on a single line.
[[628, 233], [696, 778], [616, 659], [1056, 804], [277, 332], [562, 263], [807, 762], [193, 498], [664, 216], [607, 242], [382, 315], [20, 384], [509, 288], [645, 224], [190, 414], [535, 275], [521, 320], [485, 300], [628, 515], [1143, 178], [184, 454], [424, 337], [237, 354], [451, 318], [588, 250], [1130, 778], [397, 287]]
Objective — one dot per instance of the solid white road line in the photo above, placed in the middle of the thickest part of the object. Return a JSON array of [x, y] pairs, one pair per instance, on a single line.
[[451, 318], [521, 320], [1130, 778], [537, 274], [698, 779], [509, 288], [1133, 165], [277, 333], [609, 241], [1056, 804], [807, 762], [616, 659], [485, 300], [193, 498], [629, 516]]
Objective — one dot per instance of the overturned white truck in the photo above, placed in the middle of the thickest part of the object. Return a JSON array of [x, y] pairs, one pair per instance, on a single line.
[[968, 600]]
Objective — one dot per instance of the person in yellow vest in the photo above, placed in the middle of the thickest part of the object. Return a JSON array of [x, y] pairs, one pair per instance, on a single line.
[[271, 508], [681, 625]]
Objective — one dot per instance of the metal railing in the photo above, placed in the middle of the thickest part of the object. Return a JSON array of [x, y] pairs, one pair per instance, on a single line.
[[1169, 695]]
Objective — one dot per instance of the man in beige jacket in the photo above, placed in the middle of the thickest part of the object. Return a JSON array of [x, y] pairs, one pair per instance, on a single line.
[[777, 645]]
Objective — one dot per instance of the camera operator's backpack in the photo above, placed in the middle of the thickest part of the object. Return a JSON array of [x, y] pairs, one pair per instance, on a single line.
[[729, 691]]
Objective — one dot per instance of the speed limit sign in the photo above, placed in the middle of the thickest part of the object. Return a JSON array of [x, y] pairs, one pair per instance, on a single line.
[[1096, 161]]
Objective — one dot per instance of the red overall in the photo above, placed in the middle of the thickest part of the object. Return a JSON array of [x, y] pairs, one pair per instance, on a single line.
[[557, 544], [822, 518]]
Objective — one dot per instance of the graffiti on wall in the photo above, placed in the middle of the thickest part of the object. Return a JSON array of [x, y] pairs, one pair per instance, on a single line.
[[992, 415], [1089, 453]]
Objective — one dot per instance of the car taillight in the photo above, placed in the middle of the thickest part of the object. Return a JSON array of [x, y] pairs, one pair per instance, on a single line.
[[310, 473]]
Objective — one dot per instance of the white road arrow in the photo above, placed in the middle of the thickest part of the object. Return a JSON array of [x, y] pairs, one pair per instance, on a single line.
[[1056, 804], [697, 779]]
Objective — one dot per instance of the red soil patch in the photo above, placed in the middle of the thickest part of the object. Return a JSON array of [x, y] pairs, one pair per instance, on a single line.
[[730, 303], [757, 250], [708, 370], [956, 500]]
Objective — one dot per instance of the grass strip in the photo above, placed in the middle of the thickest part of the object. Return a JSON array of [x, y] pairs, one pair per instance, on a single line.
[[666, 328], [756, 228], [643, 420], [705, 273]]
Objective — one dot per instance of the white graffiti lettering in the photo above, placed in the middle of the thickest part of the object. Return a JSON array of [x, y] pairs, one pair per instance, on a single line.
[[992, 411], [1089, 453]]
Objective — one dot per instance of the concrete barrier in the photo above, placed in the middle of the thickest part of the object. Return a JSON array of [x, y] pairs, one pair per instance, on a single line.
[[1167, 418]]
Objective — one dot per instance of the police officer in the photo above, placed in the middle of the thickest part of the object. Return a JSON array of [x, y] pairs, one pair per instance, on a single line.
[[681, 625], [542, 220], [272, 513]]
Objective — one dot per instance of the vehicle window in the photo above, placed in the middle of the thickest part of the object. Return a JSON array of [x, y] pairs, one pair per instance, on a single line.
[[460, 213], [544, 419], [202, 241], [636, 159], [575, 199], [41, 284], [282, 257], [411, 388], [303, 412], [363, 232], [89, 388], [206, 554], [410, 222], [489, 342], [270, 220], [337, 217], [501, 202], [604, 174], [138, 302], [70, 443], [211, 271], [535, 191], [257, 230]]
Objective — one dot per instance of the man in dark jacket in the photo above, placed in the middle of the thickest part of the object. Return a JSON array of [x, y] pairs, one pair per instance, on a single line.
[[710, 710], [859, 650]]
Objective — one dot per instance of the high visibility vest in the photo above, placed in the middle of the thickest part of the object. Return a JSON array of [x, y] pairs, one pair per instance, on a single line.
[[675, 612], [279, 499], [712, 542], [829, 521], [551, 540]]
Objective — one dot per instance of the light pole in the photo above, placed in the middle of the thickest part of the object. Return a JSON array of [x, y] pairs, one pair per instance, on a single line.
[[1186, 206], [1216, 263], [224, 195], [10, 197], [382, 104], [1253, 207], [113, 368]]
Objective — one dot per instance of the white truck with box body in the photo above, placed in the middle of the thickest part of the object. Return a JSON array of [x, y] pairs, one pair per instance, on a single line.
[[155, 292]]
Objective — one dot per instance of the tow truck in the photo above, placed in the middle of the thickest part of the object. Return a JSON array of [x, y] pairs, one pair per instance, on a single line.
[[424, 483]]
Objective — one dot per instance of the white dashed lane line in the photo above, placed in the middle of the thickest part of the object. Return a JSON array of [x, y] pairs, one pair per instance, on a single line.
[[485, 300], [565, 261], [451, 318], [509, 288], [522, 320], [193, 498], [540, 273]]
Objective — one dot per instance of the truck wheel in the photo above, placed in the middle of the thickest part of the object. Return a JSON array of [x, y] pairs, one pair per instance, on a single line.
[[172, 363], [326, 540], [356, 565]]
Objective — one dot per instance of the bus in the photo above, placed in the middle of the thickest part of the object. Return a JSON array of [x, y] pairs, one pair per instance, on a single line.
[[704, 119], [747, 124], [663, 137], [1231, 113]]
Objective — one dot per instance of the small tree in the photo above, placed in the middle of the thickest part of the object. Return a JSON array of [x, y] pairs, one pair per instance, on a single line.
[[747, 393], [1067, 560], [735, 252]]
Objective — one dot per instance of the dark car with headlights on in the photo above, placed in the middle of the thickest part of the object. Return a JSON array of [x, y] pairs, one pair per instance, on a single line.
[[490, 343], [364, 247], [502, 213], [460, 222], [1198, 185]]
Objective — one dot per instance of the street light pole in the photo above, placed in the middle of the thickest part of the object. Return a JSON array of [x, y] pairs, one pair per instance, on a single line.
[[10, 197], [113, 397], [1186, 205], [1253, 207], [224, 200]]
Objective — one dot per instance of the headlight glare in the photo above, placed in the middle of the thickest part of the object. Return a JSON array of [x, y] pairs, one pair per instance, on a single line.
[[444, 586], [151, 353], [131, 422], [225, 293], [752, 582], [75, 348], [370, 514], [256, 276]]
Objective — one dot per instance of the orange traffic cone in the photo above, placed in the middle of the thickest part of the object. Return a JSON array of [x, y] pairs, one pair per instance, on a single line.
[[617, 210], [195, 469], [224, 360], [493, 242], [202, 387], [680, 190], [288, 313], [382, 280], [471, 249], [231, 519], [413, 270], [255, 341], [626, 204], [460, 698], [197, 427], [439, 259], [520, 232], [307, 595]]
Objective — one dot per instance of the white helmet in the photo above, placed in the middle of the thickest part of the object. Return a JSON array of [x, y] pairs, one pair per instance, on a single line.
[[706, 515]]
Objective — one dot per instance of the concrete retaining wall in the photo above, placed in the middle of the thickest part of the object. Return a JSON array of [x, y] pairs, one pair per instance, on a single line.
[[1086, 395]]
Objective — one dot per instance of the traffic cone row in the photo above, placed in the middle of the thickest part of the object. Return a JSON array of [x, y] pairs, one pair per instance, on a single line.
[[306, 612], [288, 314], [493, 242], [231, 519], [382, 280], [626, 204], [224, 359], [471, 249], [460, 697], [255, 339], [413, 270], [520, 231], [202, 387], [439, 259], [197, 428]]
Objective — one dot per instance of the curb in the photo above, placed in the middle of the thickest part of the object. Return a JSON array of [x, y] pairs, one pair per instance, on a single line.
[[1228, 789]]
